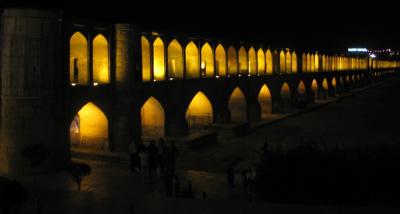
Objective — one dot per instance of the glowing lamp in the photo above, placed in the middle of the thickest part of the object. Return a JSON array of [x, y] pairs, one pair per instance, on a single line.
[[73, 84], [217, 76], [95, 84], [203, 65], [171, 78]]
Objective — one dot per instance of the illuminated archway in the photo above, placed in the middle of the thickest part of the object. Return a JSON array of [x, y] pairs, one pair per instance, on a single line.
[[276, 60], [334, 82], [78, 59], [268, 62], [312, 63], [325, 84], [288, 59], [252, 62], [314, 87], [199, 112], [101, 73], [207, 58], [264, 98], [158, 59], [89, 128], [301, 89], [282, 62], [304, 63], [175, 60], [308, 65], [261, 62], [232, 61], [146, 76], [285, 96], [152, 118], [323, 63], [316, 63], [294, 62], [237, 105], [220, 62], [243, 63], [192, 61]]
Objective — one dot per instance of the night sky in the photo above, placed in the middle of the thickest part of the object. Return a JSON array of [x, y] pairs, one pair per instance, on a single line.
[[301, 25]]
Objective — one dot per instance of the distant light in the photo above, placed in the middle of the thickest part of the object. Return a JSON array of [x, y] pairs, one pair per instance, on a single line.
[[239, 75], [216, 76], [95, 84], [73, 84], [357, 50], [249, 75], [203, 65], [154, 80], [372, 55], [154, 33], [171, 78], [228, 75]]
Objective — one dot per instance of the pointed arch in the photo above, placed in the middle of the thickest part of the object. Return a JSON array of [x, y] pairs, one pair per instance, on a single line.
[[308, 65], [294, 62], [78, 59], [260, 62], [192, 61], [304, 63], [264, 99], [207, 57], [325, 85], [220, 62], [323, 63], [152, 118], [252, 62], [175, 60], [268, 62], [237, 105], [285, 96], [312, 63], [316, 63], [158, 59], [334, 83], [314, 88], [288, 60], [199, 113], [243, 61], [232, 61], [145, 45], [301, 89], [89, 128], [101, 72], [282, 62]]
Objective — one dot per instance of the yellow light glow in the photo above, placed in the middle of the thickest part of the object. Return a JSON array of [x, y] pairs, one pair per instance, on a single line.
[[220, 62], [288, 60], [301, 89], [334, 82], [268, 61], [232, 61], [152, 118], [95, 84], [89, 128], [237, 105], [264, 98], [243, 63], [304, 63], [285, 95], [308, 65], [146, 76], [261, 62], [158, 60], [192, 61], [316, 63], [314, 87], [312, 63], [252, 62], [78, 59], [207, 57], [199, 112], [100, 60], [325, 84], [282, 63], [175, 60], [294, 62]]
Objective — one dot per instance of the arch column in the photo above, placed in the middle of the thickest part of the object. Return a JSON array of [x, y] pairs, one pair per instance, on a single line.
[[175, 123], [253, 110]]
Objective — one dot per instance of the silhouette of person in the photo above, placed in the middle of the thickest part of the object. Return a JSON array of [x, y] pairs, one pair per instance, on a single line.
[[76, 71]]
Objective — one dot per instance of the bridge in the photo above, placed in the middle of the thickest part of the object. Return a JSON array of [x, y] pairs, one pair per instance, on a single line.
[[79, 83]]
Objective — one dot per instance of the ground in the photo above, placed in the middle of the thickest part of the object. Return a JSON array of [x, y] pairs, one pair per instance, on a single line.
[[368, 117]]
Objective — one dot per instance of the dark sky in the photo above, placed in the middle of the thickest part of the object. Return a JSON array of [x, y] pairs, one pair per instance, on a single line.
[[300, 25]]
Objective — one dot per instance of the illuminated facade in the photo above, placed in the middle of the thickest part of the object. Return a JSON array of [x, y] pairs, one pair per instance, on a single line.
[[111, 83]]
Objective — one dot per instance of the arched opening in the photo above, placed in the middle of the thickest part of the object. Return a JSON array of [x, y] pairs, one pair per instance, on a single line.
[[276, 60], [304, 63], [264, 98], [243, 61], [152, 118], [146, 76], [334, 83], [252, 62], [192, 61], [286, 97], [175, 60], [78, 59], [312, 63], [268, 62], [316, 63], [220, 62], [207, 60], [323, 63], [237, 105], [314, 88], [101, 73], [294, 62], [282, 62], [232, 61], [301, 89], [89, 128], [288, 59], [158, 60], [325, 85], [199, 113], [260, 62], [308, 65]]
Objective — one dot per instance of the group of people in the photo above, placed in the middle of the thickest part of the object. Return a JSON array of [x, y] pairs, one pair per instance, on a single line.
[[147, 159]]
